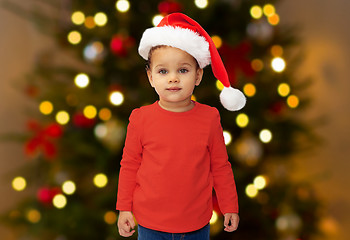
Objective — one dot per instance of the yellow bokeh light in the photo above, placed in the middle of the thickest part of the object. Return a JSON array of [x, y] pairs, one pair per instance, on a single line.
[[276, 50], [219, 85], [265, 136], [90, 111], [193, 97], [90, 22], [249, 90], [251, 191], [293, 101], [100, 19], [100, 180], [81, 80], [59, 201], [278, 64], [217, 41], [78, 18], [283, 89], [242, 120], [227, 137], [269, 10], [116, 98], [122, 5], [110, 217], [260, 182], [105, 114], [257, 65], [19, 183], [68, 187], [62, 117], [201, 3], [156, 19], [256, 12], [214, 218], [33, 216], [46, 107], [74, 37], [274, 19]]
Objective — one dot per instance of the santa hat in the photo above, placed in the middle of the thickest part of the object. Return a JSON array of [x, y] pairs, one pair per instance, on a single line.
[[180, 31]]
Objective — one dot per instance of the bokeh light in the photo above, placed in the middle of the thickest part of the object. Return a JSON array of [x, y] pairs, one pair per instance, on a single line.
[[81, 80], [122, 5], [293, 101], [251, 191], [74, 37], [260, 182], [33, 215], [278, 64], [78, 18], [90, 22], [265, 136], [116, 98], [283, 89], [256, 12], [68, 187], [257, 65], [276, 50], [242, 120], [100, 180], [274, 19], [201, 3], [105, 114], [156, 19], [249, 90], [214, 218], [46, 107], [59, 201], [269, 10], [110, 217], [100, 19], [90, 111], [19, 183], [62, 117], [227, 137], [217, 41], [219, 85]]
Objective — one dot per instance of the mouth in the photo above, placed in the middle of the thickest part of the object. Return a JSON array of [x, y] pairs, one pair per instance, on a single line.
[[174, 89]]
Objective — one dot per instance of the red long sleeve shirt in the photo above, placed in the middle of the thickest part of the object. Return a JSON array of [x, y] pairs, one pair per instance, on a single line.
[[171, 162]]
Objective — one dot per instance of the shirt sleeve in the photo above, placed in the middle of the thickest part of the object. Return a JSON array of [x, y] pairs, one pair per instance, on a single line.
[[223, 179], [130, 163]]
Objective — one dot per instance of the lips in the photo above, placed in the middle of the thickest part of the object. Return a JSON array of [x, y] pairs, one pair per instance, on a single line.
[[173, 89]]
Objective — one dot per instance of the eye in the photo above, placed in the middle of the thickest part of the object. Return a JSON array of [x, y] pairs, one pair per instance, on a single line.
[[183, 70], [163, 71]]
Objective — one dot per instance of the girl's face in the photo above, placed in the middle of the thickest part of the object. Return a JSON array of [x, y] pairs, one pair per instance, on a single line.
[[173, 73]]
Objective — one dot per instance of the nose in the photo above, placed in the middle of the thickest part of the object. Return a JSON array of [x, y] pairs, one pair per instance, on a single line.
[[173, 79]]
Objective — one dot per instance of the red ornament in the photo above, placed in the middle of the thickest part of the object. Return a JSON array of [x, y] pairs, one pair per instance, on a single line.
[[167, 7], [236, 60], [80, 120], [120, 44], [42, 139], [46, 194]]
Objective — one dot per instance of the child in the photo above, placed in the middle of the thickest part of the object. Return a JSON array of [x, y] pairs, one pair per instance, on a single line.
[[174, 151]]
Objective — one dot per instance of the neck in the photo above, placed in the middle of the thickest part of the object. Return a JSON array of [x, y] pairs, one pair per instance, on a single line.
[[177, 107]]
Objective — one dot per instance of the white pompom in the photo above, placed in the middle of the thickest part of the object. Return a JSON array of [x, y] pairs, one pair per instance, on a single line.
[[232, 99]]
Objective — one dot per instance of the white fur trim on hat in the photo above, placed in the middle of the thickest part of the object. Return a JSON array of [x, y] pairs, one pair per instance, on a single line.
[[232, 99], [182, 38]]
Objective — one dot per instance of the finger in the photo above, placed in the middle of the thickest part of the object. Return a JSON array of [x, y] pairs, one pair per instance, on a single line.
[[131, 223], [226, 221], [125, 232]]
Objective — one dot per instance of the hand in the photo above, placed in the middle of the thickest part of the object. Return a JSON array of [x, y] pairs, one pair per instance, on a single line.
[[126, 223], [233, 219]]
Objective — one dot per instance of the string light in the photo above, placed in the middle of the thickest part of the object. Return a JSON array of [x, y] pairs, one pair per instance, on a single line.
[[101, 130], [219, 85], [74, 37], [19, 183], [93, 51], [105, 114], [278, 64], [249, 90], [46, 107], [227, 137], [68, 187], [274, 19], [62, 117], [100, 180], [90, 22], [122, 5], [110, 217], [90, 112], [156, 19], [59, 201], [78, 18], [116, 98], [257, 65], [217, 41], [276, 50], [100, 19], [201, 3], [283, 89], [242, 120], [256, 12], [265, 136], [81, 80], [293, 101]]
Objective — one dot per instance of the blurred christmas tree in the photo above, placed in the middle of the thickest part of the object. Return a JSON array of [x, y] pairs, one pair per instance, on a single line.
[[74, 141]]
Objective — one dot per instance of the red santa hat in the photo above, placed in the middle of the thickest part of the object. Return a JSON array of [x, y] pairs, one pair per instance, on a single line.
[[180, 31]]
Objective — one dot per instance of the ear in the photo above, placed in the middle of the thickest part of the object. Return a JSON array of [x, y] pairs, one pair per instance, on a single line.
[[149, 75], [199, 76]]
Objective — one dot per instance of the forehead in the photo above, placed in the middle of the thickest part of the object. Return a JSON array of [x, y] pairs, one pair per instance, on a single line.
[[167, 53]]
